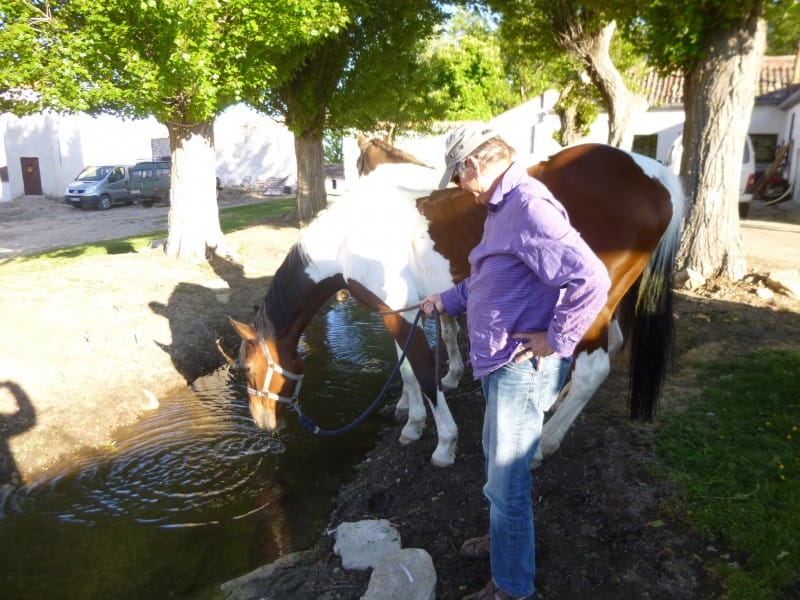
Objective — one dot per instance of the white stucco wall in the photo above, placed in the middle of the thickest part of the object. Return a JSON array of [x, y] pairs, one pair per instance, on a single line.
[[253, 145], [247, 144], [5, 186]]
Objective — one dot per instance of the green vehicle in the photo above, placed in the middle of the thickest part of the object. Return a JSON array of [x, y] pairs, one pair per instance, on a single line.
[[148, 183]]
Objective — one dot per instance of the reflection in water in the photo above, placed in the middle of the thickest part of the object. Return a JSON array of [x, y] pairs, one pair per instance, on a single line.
[[194, 494], [183, 465]]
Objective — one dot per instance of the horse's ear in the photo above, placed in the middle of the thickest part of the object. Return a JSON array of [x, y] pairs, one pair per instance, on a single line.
[[247, 333], [363, 142]]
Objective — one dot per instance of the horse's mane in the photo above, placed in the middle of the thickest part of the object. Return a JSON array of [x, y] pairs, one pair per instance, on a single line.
[[396, 154], [284, 294]]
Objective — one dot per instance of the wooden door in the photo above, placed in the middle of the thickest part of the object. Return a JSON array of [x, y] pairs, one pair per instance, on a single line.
[[31, 178]]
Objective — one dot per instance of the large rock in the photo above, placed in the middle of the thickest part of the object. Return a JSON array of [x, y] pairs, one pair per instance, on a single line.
[[407, 574], [362, 544]]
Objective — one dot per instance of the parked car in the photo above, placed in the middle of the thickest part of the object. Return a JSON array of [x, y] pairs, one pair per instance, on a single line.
[[99, 187], [747, 175], [149, 183]]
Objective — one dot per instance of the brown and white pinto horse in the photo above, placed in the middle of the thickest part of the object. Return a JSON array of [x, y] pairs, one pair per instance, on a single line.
[[391, 245]]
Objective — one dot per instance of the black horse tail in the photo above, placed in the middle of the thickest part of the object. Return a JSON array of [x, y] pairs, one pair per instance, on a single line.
[[651, 332]]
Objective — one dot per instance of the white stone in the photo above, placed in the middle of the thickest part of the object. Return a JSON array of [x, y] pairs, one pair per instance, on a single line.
[[361, 544], [407, 574]]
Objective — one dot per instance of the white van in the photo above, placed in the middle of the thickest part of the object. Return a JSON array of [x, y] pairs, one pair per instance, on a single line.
[[747, 175], [99, 186]]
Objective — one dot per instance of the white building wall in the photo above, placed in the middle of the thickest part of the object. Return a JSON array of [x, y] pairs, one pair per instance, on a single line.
[[768, 119], [5, 186], [247, 144], [528, 128], [250, 144], [31, 136], [790, 132]]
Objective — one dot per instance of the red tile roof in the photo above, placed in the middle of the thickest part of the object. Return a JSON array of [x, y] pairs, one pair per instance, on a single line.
[[774, 82]]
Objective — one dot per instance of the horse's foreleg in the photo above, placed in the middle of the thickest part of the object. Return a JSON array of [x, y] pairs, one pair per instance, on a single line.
[[419, 379], [455, 362], [589, 372], [414, 406], [401, 408], [445, 453]]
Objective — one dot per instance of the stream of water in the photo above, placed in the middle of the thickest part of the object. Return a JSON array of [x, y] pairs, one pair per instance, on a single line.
[[194, 494]]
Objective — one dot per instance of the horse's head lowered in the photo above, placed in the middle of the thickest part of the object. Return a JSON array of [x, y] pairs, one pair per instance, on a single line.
[[273, 377]]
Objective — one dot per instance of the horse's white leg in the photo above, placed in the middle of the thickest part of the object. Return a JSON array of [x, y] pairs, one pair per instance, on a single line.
[[589, 372], [455, 362], [401, 408], [447, 431], [412, 394]]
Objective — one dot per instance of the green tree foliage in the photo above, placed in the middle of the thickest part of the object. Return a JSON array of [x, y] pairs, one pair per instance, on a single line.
[[22, 56], [182, 61], [783, 28], [469, 77], [332, 149], [367, 73]]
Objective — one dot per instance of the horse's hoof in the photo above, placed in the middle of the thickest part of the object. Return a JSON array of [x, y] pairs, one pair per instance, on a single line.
[[450, 383], [411, 433], [443, 459]]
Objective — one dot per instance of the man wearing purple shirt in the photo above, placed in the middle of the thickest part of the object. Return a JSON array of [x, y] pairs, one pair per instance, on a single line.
[[534, 289]]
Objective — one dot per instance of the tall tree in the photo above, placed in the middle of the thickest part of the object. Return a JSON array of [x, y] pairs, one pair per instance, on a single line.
[[718, 46], [368, 71], [182, 61], [585, 31]]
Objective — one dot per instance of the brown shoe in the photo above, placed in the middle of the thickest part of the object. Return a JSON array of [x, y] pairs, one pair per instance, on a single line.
[[476, 548], [492, 592]]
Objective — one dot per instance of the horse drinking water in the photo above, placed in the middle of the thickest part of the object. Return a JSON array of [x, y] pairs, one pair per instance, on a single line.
[[390, 245]]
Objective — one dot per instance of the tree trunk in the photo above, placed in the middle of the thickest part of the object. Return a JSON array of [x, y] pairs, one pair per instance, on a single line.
[[311, 195], [719, 95], [623, 106], [570, 132], [592, 49], [193, 215]]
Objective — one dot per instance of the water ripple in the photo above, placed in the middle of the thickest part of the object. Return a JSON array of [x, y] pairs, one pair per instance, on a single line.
[[196, 460]]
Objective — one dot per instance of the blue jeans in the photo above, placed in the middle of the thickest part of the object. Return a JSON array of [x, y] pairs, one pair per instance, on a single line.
[[517, 396]]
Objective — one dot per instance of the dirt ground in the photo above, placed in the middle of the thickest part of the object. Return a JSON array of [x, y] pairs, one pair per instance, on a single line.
[[89, 350], [89, 347]]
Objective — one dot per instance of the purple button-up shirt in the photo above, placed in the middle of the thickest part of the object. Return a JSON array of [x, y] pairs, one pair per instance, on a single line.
[[530, 272]]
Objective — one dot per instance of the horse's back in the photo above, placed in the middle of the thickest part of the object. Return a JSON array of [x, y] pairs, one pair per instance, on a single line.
[[611, 199]]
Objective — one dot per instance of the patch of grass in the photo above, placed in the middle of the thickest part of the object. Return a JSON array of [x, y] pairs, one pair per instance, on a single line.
[[735, 454], [231, 219], [236, 217]]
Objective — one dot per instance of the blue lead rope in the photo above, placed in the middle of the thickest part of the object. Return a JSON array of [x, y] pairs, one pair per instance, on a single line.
[[316, 430]]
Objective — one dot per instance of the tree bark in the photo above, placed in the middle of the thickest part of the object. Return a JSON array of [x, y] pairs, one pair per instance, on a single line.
[[570, 132], [311, 195], [193, 222], [592, 49], [718, 99]]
